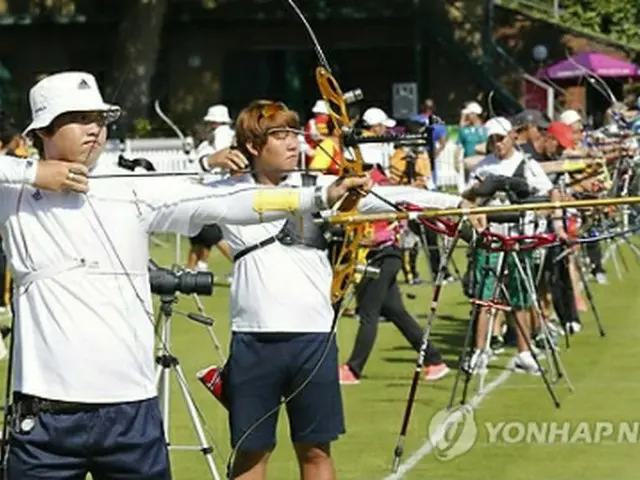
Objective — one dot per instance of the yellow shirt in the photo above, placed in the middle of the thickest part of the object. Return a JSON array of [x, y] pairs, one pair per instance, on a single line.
[[398, 171], [327, 157]]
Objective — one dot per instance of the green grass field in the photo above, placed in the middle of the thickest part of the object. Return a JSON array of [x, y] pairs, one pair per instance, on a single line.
[[602, 370]]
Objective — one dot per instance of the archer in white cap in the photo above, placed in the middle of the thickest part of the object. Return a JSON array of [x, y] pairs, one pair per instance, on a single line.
[[216, 156], [505, 160], [377, 122], [85, 393]]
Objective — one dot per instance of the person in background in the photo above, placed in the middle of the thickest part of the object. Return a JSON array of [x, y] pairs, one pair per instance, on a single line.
[[219, 136], [316, 130], [328, 155], [376, 123], [410, 165], [472, 133], [530, 127], [574, 120], [381, 296]]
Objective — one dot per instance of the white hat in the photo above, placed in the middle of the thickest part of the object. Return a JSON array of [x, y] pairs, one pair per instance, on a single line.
[[217, 113], [498, 126], [66, 92], [376, 116], [569, 117], [320, 107], [472, 108]]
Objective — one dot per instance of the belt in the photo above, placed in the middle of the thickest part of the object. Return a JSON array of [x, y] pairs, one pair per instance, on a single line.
[[30, 405]]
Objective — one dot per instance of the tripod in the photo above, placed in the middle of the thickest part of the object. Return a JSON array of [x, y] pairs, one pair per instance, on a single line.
[[168, 363]]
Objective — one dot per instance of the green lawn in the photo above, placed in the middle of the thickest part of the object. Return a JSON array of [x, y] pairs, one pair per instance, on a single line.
[[603, 371]]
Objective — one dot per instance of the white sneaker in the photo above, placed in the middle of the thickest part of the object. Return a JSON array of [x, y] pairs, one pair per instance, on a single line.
[[524, 363], [202, 266], [601, 278]]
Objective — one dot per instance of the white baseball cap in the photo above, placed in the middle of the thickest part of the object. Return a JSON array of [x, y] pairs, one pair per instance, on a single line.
[[472, 108], [376, 116], [498, 126], [66, 92], [569, 117], [320, 107], [217, 113]]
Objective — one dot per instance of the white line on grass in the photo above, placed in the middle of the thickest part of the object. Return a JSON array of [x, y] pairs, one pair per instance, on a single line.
[[427, 446]]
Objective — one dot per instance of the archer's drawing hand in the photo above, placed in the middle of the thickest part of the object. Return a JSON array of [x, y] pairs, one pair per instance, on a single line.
[[59, 176], [228, 159]]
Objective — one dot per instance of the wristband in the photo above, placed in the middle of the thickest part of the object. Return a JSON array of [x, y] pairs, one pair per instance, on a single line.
[[204, 164], [320, 197]]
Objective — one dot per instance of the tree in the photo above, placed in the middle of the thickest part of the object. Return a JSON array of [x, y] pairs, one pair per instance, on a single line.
[[617, 19], [138, 44]]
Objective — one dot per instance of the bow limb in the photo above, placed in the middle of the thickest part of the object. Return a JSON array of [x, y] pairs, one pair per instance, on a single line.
[[591, 75], [187, 145]]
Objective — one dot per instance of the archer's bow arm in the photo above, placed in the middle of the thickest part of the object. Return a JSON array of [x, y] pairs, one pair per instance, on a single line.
[[170, 205], [406, 194]]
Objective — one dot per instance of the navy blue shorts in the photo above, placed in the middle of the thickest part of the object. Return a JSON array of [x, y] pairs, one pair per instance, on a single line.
[[115, 442], [264, 368]]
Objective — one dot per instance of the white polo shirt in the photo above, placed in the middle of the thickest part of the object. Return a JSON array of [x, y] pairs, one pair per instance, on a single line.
[[83, 325], [280, 288], [534, 175]]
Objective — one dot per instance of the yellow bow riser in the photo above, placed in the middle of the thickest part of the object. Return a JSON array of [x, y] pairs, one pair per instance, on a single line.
[[345, 260]]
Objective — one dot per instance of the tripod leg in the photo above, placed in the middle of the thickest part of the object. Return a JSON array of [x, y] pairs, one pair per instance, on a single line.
[[523, 332], [466, 349], [399, 449], [634, 248], [205, 448], [550, 349], [592, 303], [216, 344]]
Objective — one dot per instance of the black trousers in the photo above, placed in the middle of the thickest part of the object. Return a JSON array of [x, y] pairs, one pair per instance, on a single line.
[[559, 283], [594, 251], [382, 297]]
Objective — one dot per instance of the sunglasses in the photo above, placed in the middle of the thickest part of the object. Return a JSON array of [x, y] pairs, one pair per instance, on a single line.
[[271, 109]]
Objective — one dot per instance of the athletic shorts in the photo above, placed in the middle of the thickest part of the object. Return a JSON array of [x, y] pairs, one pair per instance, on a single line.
[[485, 277], [209, 236], [264, 368]]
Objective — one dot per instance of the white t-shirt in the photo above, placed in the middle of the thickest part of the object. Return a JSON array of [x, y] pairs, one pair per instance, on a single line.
[[83, 325], [280, 288], [533, 173]]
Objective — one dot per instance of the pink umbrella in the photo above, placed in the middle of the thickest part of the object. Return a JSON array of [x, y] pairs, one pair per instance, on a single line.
[[598, 63]]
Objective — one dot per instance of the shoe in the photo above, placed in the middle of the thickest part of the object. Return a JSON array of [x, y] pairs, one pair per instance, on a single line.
[[574, 327], [436, 372], [471, 363], [601, 278], [202, 266], [524, 363], [347, 377]]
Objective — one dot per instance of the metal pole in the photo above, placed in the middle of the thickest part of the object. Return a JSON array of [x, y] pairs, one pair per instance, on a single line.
[[556, 8]]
